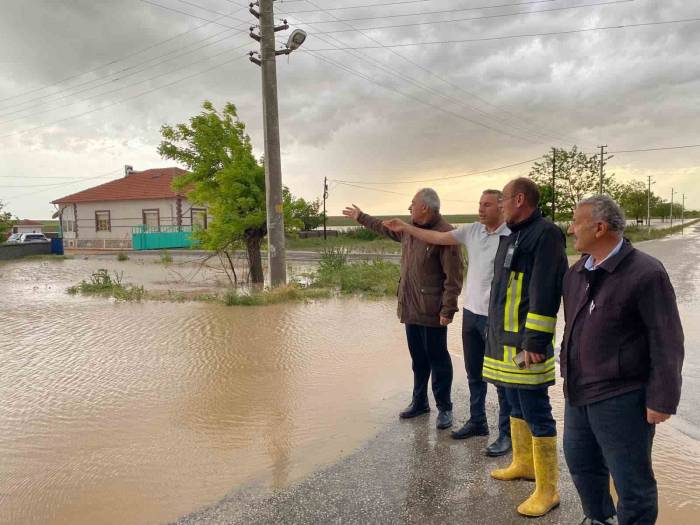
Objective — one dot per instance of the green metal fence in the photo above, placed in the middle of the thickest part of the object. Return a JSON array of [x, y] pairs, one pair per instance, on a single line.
[[161, 237]]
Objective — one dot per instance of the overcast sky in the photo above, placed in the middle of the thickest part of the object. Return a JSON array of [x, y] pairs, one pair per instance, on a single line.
[[87, 84]]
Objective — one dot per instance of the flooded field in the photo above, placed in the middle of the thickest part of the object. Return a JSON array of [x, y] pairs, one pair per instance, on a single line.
[[132, 413]]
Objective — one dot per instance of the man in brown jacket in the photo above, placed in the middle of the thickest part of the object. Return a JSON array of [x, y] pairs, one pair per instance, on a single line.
[[621, 360], [431, 280]]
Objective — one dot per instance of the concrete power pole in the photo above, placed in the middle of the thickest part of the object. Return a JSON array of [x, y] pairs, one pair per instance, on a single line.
[[682, 213], [325, 196], [671, 214], [602, 163], [649, 205], [273, 165], [554, 186]]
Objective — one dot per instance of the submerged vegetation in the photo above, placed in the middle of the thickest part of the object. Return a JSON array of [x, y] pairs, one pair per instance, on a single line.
[[103, 284]]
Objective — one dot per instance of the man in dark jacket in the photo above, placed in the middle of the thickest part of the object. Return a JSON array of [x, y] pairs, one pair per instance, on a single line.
[[431, 280], [621, 360], [525, 298]]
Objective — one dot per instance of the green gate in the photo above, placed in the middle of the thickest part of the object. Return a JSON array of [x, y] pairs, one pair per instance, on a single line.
[[161, 237]]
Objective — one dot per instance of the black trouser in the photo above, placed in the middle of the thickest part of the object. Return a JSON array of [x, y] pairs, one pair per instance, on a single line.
[[428, 348], [612, 437], [532, 405], [474, 347]]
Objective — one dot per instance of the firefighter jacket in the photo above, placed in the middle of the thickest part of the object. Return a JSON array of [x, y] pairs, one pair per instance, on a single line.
[[525, 296]]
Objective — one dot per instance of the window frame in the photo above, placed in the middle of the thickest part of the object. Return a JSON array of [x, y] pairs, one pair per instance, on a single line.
[[151, 210], [97, 221]]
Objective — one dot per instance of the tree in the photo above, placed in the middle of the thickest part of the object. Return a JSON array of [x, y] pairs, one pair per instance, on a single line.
[[632, 197], [226, 177], [307, 212], [577, 176], [5, 222]]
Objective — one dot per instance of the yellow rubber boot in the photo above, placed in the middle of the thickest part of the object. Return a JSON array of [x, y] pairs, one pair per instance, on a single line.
[[521, 467], [546, 495]]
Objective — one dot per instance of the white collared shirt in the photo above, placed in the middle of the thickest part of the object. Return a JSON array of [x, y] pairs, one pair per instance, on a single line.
[[481, 250], [590, 266]]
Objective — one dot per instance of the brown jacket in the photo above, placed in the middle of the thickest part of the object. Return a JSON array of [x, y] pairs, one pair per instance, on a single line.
[[431, 276], [623, 332]]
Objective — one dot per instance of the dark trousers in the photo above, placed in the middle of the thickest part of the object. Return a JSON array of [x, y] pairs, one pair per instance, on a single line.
[[533, 406], [428, 348], [474, 347], [612, 437]]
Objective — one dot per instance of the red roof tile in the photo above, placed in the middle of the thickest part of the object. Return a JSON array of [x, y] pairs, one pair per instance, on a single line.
[[28, 222], [149, 184]]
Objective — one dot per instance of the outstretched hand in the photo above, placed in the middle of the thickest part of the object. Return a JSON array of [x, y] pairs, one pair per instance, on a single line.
[[395, 225], [353, 212]]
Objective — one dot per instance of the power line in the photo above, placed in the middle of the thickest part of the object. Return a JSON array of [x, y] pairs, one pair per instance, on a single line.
[[451, 177], [112, 62], [529, 129], [397, 193], [66, 183], [191, 15], [198, 73], [657, 149], [469, 19], [111, 81], [523, 35], [388, 4], [125, 86]]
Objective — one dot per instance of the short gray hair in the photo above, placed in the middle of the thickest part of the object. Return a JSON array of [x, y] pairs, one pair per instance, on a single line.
[[430, 198], [605, 209]]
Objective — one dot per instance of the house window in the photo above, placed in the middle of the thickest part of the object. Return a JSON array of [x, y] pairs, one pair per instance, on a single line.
[[68, 226], [151, 219], [103, 222], [199, 218]]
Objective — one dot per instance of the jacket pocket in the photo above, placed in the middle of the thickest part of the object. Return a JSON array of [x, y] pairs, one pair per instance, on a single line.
[[430, 300]]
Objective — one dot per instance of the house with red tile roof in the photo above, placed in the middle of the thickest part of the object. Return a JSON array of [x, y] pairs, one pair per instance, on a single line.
[[27, 226], [104, 216]]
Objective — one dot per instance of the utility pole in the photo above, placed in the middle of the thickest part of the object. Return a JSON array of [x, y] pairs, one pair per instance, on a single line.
[[671, 214], [682, 213], [266, 59], [554, 186], [602, 163], [325, 196], [649, 205]]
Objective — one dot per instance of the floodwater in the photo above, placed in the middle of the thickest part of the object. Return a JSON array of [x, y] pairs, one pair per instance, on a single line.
[[132, 413]]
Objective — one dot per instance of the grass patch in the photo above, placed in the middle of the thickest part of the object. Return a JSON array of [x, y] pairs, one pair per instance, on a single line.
[[371, 278], [103, 284], [121, 256], [372, 243], [47, 257], [165, 257], [283, 294]]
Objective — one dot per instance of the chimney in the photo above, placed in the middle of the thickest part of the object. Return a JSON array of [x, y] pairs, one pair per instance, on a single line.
[[128, 170]]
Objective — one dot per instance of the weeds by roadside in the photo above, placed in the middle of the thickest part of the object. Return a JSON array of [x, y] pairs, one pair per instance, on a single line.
[[105, 285], [121, 256], [372, 278]]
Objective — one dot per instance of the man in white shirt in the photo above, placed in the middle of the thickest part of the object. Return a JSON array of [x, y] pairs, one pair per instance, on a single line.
[[481, 240]]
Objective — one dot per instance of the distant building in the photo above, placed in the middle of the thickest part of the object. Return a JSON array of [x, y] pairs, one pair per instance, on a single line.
[[27, 226], [105, 216]]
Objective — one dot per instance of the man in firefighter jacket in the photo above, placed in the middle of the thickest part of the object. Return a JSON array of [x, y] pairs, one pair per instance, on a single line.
[[525, 296]]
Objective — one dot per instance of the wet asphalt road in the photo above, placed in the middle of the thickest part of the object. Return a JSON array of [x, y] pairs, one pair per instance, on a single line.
[[409, 473]]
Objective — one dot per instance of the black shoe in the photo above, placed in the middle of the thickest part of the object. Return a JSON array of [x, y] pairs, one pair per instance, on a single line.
[[500, 447], [444, 419], [414, 410], [471, 429]]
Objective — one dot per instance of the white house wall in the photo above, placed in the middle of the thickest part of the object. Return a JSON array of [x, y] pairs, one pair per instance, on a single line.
[[124, 215]]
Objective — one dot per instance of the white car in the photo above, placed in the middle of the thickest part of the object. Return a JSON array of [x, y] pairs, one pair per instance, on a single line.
[[13, 238], [31, 238]]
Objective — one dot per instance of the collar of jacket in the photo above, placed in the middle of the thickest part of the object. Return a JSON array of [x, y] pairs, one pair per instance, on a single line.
[[431, 223], [522, 224], [609, 265]]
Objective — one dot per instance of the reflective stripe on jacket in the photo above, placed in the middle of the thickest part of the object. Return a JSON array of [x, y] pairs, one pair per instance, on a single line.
[[524, 302]]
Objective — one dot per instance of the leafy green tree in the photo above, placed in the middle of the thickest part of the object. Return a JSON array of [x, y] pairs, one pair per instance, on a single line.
[[577, 176], [225, 176], [5, 222], [308, 212], [632, 197]]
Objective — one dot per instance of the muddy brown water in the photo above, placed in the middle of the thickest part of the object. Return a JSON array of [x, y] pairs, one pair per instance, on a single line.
[[136, 413]]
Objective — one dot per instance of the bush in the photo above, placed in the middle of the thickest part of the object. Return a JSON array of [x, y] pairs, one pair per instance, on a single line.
[[291, 292], [373, 278], [102, 284], [166, 258], [333, 259], [121, 256], [361, 234]]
